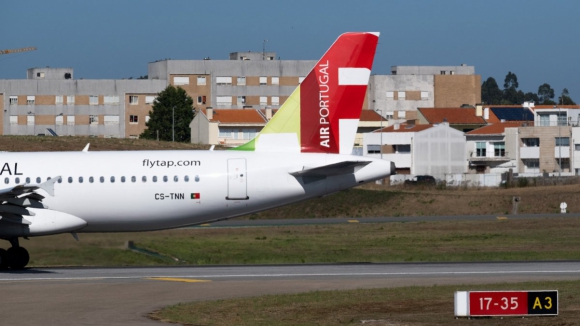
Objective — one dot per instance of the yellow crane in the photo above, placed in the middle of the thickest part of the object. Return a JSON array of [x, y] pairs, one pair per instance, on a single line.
[[32, 48]]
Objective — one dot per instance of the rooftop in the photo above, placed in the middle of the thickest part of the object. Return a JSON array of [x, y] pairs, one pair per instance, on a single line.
[[236, 116], [405, 128], [451, 115], [498, 128]]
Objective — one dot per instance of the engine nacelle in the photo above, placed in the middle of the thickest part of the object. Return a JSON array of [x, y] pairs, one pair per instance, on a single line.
[[44, 222]]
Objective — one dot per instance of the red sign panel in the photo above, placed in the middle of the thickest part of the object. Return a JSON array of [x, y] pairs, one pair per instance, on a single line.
[[498, 303]]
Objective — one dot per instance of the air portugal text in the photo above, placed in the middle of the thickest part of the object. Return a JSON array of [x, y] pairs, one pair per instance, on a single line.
[[324, 97]]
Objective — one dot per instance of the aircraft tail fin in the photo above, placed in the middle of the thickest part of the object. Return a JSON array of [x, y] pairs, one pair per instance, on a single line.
[[322, 114]]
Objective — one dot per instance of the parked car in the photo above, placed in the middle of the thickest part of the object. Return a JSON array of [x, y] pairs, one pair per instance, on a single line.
[[421, 180]]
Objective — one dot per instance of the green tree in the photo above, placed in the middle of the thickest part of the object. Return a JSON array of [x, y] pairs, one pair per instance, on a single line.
[[161, 116], [490, 92], [511, 95], [565, 98], [511, 80], [546, 94]]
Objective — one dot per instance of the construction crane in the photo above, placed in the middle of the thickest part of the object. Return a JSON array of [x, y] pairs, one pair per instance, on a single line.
[[32, 48]]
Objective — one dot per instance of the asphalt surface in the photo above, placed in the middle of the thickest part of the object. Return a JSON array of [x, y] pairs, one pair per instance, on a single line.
[[125, 296]]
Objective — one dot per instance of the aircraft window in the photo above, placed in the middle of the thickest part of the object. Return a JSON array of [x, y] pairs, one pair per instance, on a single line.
[[186, 178], [154, 178], [133, 179], [69, 179], [164, 178], [176, 178], [59, 179], [80, 179], [91, 179], [112, 179], [48, 178], [197, 178], [144, 179], [38, 180], [17, 180], [123, 179], [102, 179], [6, 180], [27, 180]]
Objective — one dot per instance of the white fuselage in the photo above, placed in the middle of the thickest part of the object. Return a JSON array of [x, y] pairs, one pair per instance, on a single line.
[[118, 191]]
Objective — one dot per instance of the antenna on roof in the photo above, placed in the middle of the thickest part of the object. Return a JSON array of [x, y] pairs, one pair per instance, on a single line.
[[264, 50]]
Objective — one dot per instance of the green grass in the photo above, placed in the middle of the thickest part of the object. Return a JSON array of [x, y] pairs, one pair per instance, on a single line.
[[393, 306], [522, 239]]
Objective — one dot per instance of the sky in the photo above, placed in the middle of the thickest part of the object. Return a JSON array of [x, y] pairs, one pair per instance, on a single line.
[[537, 40]]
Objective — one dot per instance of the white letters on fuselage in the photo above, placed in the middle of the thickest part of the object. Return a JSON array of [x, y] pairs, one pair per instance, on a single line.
[[324, 98]]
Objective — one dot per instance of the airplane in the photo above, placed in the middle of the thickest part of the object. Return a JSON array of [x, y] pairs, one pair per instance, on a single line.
[[303, 152]]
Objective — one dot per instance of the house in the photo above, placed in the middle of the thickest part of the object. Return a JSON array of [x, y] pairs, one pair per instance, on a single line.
[[228, 127], [428, 149], [462, 119]]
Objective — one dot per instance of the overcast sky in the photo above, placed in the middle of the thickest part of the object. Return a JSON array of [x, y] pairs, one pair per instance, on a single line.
[[536, 39]]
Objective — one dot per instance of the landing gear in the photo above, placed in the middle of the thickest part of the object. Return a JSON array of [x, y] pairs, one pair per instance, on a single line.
[[15, 257]]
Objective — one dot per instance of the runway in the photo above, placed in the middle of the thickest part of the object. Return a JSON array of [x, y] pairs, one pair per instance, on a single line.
[[124, 296]]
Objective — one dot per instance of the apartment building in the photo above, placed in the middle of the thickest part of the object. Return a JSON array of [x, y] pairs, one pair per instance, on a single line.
[[411, 87]]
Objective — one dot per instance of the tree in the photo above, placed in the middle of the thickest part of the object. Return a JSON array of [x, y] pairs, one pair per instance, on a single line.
[[546, 94], [565, 98], [511, 80], [490, 92], [511, 95], [161, 117]]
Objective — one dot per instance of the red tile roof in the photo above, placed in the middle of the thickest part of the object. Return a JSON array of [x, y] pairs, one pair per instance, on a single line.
[[370, 115], [452, 115], [237, 116], [498, 128], [405, 128]]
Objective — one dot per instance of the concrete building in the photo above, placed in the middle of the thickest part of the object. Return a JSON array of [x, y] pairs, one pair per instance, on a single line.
[[435, 150], [411, 87], [51, 98], [493, 148]]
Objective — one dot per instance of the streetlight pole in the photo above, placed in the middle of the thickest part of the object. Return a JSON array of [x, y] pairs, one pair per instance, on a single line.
[[381, 133], [173, 124], [560, 145]]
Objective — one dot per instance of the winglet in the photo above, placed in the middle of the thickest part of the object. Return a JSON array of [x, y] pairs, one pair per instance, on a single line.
[[86, 149], [48, 185]]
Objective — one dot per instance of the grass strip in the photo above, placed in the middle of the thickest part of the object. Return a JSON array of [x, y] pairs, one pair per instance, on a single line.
[[387, 306], [440, 241]]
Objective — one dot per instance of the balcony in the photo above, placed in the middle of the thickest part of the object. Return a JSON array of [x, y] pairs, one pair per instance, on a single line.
[[529, 152], [489, 159], [565, 150]]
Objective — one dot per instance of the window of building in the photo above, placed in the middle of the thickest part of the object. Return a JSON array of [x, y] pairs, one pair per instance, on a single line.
[[577, 147], [424, 95], [248, 134], [133, 119], [13, 119], [532, 165], [562, 141], [373, 149], [224, 100], [93, 119], [402, 149], [200, 80], [201, 99], [531, 142], [275, 80], [111, 99], [225, 133], [40, 74], [59, 120], [223, 80], [480, 149], [401, 95], [30, 120], [70, 99], [241, 81], [134, 99], [181, 80], [241, 100], [13, 100], [451, 72], [275, 100], [390, 95], [111, 120], [499, 149], [67, 75], [70, 120], [150, 99], [442, 72], [562, 119], [263, 80], [58, 99], [402, 114], [147, 118], [93, 100], [389, 115], [30, 100], [263, 100]]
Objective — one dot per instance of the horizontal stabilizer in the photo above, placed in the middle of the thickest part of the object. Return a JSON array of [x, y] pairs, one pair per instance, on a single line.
[[340, 168]]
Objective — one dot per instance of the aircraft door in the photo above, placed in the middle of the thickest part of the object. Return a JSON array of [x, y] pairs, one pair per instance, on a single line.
[[237, 179]]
